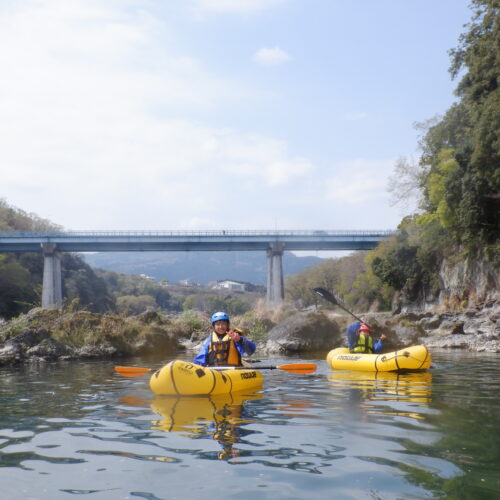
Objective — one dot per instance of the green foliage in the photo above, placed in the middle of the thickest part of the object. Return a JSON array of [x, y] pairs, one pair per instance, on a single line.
[[367, 289], [236, 306], [192, 321], [458, 172], [123, 285], [203, 302], [12, 218], [350, 278], [80, 282], [397, 267], [209, 303], [254, 325], [135, 304], [327, 275], [20, 324], [446, 169], [16, 291], [21, 274], [462, 151], [410, 260]]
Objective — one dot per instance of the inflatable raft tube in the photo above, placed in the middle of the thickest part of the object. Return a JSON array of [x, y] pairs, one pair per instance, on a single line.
[[414, 358], [187, 379]]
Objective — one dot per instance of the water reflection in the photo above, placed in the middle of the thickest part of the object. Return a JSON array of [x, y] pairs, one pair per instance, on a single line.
[[79, 429], [192, 416], [405, 394]]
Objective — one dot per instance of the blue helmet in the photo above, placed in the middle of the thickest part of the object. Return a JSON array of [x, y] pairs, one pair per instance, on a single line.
[[218, 316]]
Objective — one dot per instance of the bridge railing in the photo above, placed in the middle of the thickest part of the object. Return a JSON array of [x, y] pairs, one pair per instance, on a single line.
[[212, 232]]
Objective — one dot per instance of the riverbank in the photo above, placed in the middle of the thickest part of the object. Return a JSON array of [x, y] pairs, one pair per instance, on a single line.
[[48, 335], [475, 329]]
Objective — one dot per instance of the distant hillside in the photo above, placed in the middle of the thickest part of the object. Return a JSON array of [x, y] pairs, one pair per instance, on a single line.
[[201, 267]]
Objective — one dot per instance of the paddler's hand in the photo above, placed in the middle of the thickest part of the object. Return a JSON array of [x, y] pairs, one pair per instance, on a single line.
[[383, 337], [234, 335]]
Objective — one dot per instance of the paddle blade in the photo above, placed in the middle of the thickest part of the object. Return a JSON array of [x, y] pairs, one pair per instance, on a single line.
[[326, 295], [298, 367], [132, 371]]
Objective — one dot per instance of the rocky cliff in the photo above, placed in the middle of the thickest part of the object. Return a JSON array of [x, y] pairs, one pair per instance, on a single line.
[[470, 283], [466, 284]]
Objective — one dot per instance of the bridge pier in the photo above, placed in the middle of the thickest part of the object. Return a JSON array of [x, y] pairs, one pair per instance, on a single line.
[[52, 277], [275, 284]]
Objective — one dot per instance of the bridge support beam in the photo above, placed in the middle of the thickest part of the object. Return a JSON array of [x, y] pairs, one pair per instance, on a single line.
[[52, 277], [275, 285]]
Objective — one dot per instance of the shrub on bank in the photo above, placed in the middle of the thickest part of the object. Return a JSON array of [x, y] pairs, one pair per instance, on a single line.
[[94, 335]]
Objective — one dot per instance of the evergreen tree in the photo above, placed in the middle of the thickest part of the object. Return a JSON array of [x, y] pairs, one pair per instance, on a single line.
[[461, 153]]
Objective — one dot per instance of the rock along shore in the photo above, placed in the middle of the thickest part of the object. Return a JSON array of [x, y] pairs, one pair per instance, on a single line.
[[48, 335]]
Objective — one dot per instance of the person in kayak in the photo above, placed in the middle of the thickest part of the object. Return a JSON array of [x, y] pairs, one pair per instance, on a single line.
[[360, 339], [225, 345]]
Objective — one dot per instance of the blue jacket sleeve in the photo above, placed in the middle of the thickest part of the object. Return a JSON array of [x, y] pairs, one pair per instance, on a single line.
[[378, 346], [352, 333], [246, 347], [201, 358]]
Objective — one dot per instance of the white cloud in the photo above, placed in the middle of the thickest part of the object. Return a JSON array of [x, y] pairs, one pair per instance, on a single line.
[[359, 181], [82, 136], [271, 56], [259, 159], [235, 6], [96, 131]]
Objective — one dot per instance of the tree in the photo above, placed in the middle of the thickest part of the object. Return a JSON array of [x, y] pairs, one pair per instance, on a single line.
[[349, 278], [471, 129], [17, 293], [12, 218], [404, 183], [209, 303], [80, 282], [457, 173], [21, 274], [135, 304]]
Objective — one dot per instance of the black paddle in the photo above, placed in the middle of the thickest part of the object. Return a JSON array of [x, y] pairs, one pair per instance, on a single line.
[[331, 298]]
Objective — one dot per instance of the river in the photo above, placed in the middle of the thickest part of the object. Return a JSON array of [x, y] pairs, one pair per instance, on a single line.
[[79, 429]]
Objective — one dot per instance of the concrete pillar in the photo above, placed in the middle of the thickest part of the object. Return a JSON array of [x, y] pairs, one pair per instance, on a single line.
[[275, 284], [52, 277]]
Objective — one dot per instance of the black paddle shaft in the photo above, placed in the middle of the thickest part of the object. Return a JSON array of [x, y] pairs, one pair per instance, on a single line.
[[331, 298]]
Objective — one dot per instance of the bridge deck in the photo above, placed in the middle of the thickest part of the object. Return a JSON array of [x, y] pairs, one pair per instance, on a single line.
[[220, 240]]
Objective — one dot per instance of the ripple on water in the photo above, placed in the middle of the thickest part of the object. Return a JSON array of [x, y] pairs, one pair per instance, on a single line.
[[339, 434]]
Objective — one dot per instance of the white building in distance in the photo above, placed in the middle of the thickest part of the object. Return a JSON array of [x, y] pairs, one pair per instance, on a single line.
[[229, 285]]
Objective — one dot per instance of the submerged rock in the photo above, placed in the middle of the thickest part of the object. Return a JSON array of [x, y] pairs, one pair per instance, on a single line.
[[96, 351]]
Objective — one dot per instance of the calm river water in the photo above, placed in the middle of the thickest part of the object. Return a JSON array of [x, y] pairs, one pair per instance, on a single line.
[[80, 430]]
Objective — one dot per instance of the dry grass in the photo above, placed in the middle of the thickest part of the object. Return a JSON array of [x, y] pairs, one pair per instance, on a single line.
[[78, 328]]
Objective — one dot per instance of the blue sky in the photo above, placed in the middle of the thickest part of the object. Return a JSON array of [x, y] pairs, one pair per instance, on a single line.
[[217, 114]]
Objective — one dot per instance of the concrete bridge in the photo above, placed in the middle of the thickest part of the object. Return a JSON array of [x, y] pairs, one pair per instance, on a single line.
[[274, 243]]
